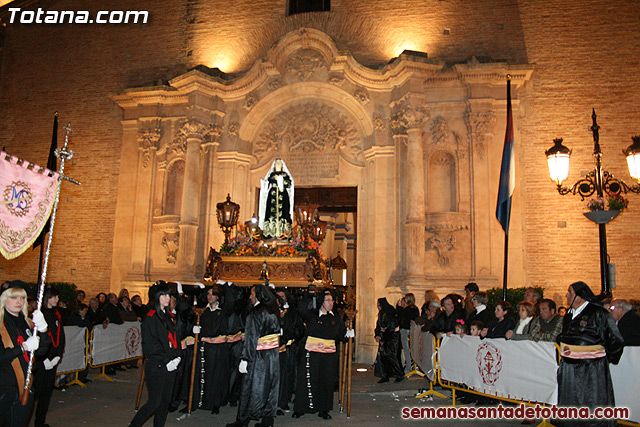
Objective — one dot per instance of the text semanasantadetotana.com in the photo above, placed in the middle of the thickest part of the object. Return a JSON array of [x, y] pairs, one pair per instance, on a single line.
[[41, 16], [519, 412]]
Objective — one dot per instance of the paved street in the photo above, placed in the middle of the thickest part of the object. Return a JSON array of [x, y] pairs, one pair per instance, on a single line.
[[104, 403]]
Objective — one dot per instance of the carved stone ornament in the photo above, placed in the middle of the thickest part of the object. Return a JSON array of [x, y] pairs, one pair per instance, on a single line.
[[190, 129], [171, 242], [336, 79], [250, 101], [362, 95], [482, 126], [213, 133], [148, 139], [439, 131], [378, 123], [304, 63], [443, 245], [234, 128], [407, 118], [310, 127], [274, 84]]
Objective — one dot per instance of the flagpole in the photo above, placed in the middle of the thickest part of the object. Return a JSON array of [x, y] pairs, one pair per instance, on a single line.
[[63, 155], [51, 165], [506, 266]]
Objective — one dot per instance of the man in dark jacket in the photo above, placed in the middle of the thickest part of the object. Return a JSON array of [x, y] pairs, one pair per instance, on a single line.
[[446, 320], [628, 321]]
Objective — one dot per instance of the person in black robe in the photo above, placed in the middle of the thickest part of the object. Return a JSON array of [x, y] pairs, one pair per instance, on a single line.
[[51, 352], [15, 346], [211, 388], [318, 365], [260, 361], [235, 338], [387, 334], [161, 345], [292, 331], [589, 341]]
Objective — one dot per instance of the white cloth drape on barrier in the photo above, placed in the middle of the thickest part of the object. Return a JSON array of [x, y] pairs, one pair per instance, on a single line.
[[116, 342], [75, 349], [626, 376], [523, 370], [422, 350]]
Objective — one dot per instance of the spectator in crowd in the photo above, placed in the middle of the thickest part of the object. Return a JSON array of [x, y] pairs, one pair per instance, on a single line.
[[80, 318], [446, 319], [111, 311], [126, 312], [589, 341], [628, 321], [636, 305], [501, 324], [95, 315], [137, 306], [407, 312], [124, 292], [102, 298], [533, 296], [469, 290], [429, 295], [387, 334], [525, 316], [46, 363], [428, 316], [80, 296], [475, 327], [548, 325], [481, 314], [562, 310], [32, 304], [461, 328]]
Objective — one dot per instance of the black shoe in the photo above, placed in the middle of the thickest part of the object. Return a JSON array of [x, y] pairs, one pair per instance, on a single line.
[[238, 424], [324, 415], [184, 410], [279, 412], [266, 422], [399, 379], [296, 415], [173, 408], [215, 411], [233, 403], [86, 381], [383, 380]]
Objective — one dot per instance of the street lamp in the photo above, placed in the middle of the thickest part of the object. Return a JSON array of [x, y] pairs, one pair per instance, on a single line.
[[597, 181], [227, 216]]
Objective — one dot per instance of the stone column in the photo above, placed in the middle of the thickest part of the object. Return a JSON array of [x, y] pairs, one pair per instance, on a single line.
[[411, 119], [192, 132]]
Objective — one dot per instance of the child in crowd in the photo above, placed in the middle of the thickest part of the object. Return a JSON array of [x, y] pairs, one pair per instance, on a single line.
[[475, 327], [461, 328]]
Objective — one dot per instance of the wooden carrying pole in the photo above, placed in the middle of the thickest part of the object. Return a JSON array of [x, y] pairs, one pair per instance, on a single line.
[[349, 361], [341, 387], [198, 312], [141, 385]]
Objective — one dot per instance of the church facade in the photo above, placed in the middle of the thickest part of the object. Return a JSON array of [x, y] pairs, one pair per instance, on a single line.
[[407, 106]]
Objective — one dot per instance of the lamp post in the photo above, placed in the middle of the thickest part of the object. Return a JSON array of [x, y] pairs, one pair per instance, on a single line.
[[598, 181], [227, 213]]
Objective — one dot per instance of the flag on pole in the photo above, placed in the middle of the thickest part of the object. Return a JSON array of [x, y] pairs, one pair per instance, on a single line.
[[52, 165], [507, 171], [27, 196]]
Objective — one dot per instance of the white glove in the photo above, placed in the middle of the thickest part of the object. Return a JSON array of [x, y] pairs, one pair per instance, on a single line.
[[350, 333], [196, 329], [48, 364], [199, 284], [243, 367], [172, 365], [179, 287], [38, 320], [286, 305], [55, 360], [31, 344], [272, 286]]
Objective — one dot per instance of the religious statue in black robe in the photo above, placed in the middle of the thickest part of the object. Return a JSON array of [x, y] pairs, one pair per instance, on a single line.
[[276, 201], [589, 341]]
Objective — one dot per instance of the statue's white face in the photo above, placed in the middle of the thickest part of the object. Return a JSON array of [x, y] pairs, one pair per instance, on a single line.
[[278, 165]]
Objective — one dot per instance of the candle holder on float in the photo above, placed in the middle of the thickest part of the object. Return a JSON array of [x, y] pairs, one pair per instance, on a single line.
[[227, 213]]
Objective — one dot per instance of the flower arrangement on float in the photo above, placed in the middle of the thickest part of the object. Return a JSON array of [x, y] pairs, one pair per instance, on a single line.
[[247, 243]]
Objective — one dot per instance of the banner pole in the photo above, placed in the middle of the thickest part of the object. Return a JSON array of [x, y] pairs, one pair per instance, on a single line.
[[63, 155]]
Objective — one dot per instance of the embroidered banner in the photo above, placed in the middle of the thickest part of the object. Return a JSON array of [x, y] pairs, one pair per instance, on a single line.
[[26, 201]]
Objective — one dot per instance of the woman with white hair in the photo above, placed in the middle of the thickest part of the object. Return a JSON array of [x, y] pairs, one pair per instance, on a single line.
[[17, 343]]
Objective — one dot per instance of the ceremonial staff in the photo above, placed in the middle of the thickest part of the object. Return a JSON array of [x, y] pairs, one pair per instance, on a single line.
[[63, 154], [141, 385], [198, 312]]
